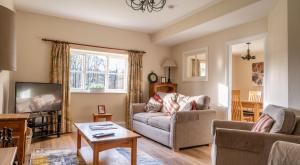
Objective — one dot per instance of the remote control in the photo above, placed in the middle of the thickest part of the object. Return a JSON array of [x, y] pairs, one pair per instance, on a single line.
[[98, 135]]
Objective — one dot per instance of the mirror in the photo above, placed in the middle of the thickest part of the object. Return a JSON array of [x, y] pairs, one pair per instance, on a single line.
[[195, 65]]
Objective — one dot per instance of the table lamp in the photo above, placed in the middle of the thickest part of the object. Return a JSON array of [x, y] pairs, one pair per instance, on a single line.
[[7, 39], [168, 64]]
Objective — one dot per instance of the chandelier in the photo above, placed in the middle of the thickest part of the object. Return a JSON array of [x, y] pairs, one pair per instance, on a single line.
[[248, 56], [150, 5]]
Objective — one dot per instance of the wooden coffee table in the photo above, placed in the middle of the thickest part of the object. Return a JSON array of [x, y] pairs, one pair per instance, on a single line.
[[122, 138]]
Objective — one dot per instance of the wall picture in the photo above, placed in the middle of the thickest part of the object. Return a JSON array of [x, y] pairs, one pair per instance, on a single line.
[[258, 73]]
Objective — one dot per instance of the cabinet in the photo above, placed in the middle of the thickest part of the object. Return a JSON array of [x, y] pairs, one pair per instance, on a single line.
[[162, 87]]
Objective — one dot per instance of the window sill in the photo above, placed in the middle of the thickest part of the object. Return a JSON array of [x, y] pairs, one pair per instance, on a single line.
[[98, 92]]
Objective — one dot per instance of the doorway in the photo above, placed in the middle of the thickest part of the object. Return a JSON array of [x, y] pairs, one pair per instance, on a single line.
[[246, 78]]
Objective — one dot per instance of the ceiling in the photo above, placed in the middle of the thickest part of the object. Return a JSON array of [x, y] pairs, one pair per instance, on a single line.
[[115, 13], [256, 46]]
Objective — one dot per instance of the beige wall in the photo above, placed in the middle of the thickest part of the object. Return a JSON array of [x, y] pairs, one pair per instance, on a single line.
[[242, 74], [5, 75], [34, 56], [217, 85], [294, 53], [277, 56]]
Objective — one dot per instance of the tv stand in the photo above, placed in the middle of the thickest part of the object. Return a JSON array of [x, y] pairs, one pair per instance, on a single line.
[[45, 124]]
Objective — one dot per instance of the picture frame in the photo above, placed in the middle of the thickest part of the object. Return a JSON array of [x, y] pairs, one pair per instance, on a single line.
[[101, 109], [163, 79]]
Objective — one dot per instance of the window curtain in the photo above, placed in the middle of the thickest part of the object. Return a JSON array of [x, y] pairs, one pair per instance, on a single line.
[[60, 62], [135, 73]]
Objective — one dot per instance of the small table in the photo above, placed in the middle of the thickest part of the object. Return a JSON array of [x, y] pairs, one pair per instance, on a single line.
[[98, 116], [17, 122], [8, 155], [122, 138]]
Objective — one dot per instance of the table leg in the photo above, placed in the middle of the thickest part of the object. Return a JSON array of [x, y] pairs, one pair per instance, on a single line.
[[133, 151], [95, 156], [108, 118], [78, 142]]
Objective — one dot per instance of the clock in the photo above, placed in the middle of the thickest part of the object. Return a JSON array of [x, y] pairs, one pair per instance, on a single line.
[[152, 77]]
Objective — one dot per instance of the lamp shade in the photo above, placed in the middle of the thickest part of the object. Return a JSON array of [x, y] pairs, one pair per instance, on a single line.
[[7, 40], [169, 63]]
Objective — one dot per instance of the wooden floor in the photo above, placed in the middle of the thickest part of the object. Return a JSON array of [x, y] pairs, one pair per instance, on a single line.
[[193, 156]]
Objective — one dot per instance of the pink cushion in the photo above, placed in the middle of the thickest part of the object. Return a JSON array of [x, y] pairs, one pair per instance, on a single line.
[[264, 124]]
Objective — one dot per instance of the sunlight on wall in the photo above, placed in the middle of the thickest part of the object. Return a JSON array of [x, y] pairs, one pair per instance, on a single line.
[[223, 95]]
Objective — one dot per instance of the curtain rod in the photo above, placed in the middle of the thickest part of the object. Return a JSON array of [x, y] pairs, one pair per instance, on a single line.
[[95, 46]]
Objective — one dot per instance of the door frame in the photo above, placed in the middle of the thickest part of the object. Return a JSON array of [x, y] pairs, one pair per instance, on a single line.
[[229, 66]]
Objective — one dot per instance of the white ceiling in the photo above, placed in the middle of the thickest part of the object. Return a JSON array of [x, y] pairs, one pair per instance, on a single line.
[[115, 13], [244, 15], [256, 46]]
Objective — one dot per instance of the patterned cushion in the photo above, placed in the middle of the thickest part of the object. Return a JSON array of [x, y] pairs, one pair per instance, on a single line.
[[153, 105], [171, 106], [158, 98], [185, 105], [166, 97], [264, 124]]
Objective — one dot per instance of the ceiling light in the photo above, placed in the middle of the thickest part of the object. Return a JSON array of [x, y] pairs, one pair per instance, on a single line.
[[248, 56], [149, 5]]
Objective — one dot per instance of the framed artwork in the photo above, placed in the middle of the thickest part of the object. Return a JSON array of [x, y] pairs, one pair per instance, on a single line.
[[101, 109], [163, 79], [258, 73]]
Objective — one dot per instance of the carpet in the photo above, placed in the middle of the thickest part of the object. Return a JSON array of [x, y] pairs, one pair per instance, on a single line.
[[54, 157], [142, 157]]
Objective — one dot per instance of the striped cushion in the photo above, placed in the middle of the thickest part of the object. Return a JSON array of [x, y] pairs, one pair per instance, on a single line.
[[171, 106], [264, 124]]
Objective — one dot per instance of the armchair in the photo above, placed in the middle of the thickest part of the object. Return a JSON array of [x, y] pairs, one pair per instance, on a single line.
[[235, 144]]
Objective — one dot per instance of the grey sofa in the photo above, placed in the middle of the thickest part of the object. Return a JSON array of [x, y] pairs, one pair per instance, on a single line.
[[235, 144], [181, 130]]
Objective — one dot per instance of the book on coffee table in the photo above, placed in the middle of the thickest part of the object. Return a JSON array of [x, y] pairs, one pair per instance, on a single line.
[[97, 127]]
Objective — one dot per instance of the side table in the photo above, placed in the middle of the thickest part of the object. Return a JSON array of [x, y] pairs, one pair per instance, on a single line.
[[97, 117]]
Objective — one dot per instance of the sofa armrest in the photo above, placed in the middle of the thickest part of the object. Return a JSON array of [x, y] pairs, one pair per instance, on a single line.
[[250, 141], [137, 108], [191, 128], [231, 125]]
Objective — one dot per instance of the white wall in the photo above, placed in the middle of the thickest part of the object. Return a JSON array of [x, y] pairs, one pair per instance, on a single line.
[[242, 74], [34, 56], [217, 85], [277, 56]]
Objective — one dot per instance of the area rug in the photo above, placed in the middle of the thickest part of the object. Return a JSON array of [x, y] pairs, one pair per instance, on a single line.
[[142, 157], [54, 157]]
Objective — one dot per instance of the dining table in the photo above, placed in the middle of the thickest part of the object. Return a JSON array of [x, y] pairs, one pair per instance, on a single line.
[[255, 106]]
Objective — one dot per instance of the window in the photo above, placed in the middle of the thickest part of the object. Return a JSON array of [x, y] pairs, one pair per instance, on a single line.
[[97, 71], [195, 65]]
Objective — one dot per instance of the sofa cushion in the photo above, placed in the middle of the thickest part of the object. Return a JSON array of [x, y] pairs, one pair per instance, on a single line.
[[145, 116], [161, 122], [284, 119], [264, 124], [166, 97], [153, 105], [202, 101]]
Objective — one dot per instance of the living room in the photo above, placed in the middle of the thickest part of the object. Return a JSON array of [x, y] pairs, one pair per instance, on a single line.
[[162, 42]]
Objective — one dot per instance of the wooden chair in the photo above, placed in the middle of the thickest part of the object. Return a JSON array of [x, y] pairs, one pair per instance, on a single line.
[[255, 96], [238, 112]]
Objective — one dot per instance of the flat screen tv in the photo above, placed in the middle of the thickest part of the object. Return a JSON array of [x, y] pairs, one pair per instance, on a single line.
[[38, 97]]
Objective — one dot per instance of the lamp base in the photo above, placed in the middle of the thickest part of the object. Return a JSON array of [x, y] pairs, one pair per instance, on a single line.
[[169, 80]]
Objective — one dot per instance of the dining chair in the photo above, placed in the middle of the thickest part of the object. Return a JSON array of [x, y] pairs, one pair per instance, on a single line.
[[255, 96], [238, 112]]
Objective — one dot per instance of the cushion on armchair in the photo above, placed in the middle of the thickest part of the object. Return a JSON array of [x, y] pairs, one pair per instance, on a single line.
[[264, 124], [284, 119]]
